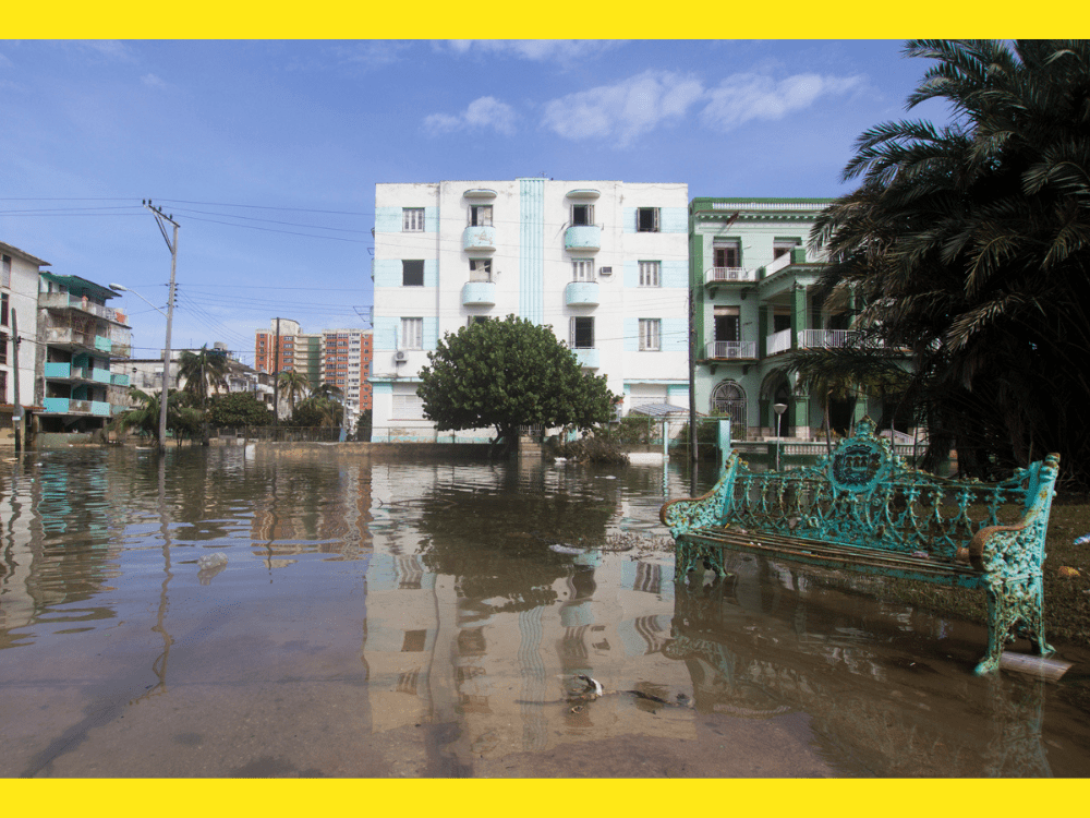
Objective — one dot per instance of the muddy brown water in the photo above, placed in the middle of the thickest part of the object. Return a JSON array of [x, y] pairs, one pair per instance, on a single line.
[[373, 619]]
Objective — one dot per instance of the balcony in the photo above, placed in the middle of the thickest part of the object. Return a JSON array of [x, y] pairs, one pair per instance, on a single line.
[[835, 339], [588, 358], [68, 406], [778, 342], [479, 238], [728, 275], [119, 380], [583, 238], [56, 371], [479, 294], [581, 294], [65, 301], [730, 350]]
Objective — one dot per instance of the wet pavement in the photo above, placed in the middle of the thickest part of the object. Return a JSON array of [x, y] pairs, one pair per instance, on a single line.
[[248, 613]]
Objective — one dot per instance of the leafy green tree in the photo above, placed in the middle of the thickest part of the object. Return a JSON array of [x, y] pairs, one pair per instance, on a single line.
[[238, 409], [506, 374], [969, 244], [202, 372], [363, 426], [318, 411]]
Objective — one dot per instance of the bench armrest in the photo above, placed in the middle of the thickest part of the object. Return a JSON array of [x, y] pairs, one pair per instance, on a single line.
[[691, 514], [1019, 549]]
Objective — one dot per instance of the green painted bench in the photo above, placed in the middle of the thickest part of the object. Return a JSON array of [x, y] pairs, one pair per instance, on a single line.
[[862, 509]]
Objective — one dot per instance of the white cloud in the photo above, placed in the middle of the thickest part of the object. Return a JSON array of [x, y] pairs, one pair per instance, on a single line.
[[152, 81], [741, 98], [482, 113], [625, 110], [564, 51]]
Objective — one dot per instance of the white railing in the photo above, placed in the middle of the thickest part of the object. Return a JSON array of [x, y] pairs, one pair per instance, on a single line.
[[730, 349], [716, 275], [778, 342], [834, 339]]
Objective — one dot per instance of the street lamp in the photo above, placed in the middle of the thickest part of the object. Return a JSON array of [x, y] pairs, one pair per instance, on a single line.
[[166, 363], [779, 408]]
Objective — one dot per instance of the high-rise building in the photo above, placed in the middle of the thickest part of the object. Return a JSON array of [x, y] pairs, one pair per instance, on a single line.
[[604, 263], [338, 357]]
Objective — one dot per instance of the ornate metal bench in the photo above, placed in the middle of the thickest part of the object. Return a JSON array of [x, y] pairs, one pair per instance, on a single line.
[[862, 509]]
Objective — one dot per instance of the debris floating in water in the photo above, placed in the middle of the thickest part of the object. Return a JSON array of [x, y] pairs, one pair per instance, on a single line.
[[560, 548], [1083, 540], [1050, 669], [209, 561], [1068, 571]]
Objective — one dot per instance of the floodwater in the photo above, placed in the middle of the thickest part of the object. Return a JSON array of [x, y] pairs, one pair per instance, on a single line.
[[243, 612]]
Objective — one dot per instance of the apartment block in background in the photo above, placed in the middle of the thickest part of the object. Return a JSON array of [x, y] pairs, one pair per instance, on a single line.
[[604, 263], [338, 357], [19, 273]]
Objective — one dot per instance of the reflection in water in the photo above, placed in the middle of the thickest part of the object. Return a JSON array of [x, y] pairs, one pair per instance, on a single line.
[[269, 612]]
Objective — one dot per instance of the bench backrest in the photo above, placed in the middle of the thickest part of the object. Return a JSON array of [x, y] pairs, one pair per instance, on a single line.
[[864, 494]]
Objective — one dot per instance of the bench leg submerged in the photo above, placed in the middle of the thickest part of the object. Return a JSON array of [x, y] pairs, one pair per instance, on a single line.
[[1015, 608]]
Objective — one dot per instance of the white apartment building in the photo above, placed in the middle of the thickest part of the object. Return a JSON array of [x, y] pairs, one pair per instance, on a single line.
[[604, 263]]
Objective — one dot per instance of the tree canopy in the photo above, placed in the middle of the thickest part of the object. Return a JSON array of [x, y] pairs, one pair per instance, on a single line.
[[969, 244], [506, 374], [238, 409]]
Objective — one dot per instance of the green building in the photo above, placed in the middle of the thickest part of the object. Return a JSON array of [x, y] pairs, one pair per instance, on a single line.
[[755, 305]]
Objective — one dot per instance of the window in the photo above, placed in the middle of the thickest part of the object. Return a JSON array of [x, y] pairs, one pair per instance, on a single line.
[[649, 273], [412, 273], [727, 253], [582, 214], [4, 309], [408, 407], [3, 387], [4, 349], [480, 215], [480, 269], [650, 334], [582, 270], [476, 319], [727, 324], [5, 271], [781, 247], [647, 219], [412, 333], [412, 220], [729, 399], [582, 333]]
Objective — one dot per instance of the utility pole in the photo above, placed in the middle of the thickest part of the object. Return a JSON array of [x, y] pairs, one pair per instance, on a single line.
[[276, 380], [693, 450], [160, 218], [17, 412]]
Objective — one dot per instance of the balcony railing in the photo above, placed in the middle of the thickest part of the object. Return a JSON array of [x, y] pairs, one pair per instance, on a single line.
[[479, 238], [730, 350], [479, 294], [835, 339], [588, 358], [583, 237], [722, 275], [581, 294], [778, 342]]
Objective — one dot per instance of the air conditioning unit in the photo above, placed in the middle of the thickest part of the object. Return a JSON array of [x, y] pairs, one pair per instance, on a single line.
[[734, 352], [401, 356]]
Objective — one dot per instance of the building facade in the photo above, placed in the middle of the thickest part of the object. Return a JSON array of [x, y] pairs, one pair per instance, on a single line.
[[756, 304], [77, 337], [604, 263], [19, 273]]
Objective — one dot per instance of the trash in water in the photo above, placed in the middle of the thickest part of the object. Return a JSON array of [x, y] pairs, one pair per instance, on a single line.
[[923, 555], [1068, 571], [593, 685], [1083, 540], [210, 565], [1050, 669], [560, 548]]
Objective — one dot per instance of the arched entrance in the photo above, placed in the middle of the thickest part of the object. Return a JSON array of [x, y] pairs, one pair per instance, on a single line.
[[729, 399], [777, 388]]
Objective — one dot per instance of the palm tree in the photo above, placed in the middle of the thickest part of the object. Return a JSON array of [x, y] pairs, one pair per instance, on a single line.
[[294, 384], [969, 244], [200, 371], [145, 416]]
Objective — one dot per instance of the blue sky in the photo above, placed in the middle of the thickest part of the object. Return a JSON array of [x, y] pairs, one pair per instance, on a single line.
[[267, 152]]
